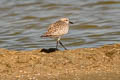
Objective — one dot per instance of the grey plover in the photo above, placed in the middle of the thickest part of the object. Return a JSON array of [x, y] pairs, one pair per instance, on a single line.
[[58, 29]]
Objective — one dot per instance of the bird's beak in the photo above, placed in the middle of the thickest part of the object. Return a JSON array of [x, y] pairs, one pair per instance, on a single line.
[[71, 22]]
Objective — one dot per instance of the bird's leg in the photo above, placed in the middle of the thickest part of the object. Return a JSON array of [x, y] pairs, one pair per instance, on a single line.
[[57, 42], [62, 45]]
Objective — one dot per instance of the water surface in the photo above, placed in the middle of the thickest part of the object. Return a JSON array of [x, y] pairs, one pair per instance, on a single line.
[[96, 22]]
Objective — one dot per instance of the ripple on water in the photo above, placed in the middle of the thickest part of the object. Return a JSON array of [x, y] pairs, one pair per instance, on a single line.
[[22, 22]]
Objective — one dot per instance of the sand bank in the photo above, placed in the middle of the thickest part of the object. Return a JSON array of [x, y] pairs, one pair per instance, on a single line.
[[102, 63]]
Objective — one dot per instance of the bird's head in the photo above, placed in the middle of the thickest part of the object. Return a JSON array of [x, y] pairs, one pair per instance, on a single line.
[[66, 20]]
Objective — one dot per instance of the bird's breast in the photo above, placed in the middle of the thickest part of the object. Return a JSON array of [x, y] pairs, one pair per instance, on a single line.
[[62, 31]]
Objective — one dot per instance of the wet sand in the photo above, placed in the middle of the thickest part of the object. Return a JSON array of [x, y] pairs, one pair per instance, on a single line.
[[102, 63]]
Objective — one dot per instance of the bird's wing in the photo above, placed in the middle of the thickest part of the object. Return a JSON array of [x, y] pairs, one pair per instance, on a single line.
[[57, 26]]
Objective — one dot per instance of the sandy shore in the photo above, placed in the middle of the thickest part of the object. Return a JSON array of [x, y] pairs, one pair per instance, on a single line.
[[101, 63]]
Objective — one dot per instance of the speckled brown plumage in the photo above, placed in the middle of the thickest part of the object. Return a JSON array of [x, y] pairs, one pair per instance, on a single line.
[[57, 29]]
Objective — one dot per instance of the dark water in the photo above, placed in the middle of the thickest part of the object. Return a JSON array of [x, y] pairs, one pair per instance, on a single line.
[[96, 22]]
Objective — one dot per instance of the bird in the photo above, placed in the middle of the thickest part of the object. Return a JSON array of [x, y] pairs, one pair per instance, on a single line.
[[57, 30]]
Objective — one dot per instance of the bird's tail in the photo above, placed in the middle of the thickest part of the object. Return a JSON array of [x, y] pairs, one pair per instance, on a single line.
[[44, 36]]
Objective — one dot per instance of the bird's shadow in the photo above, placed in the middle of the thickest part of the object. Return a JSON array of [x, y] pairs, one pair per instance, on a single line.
[[49, 50]]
